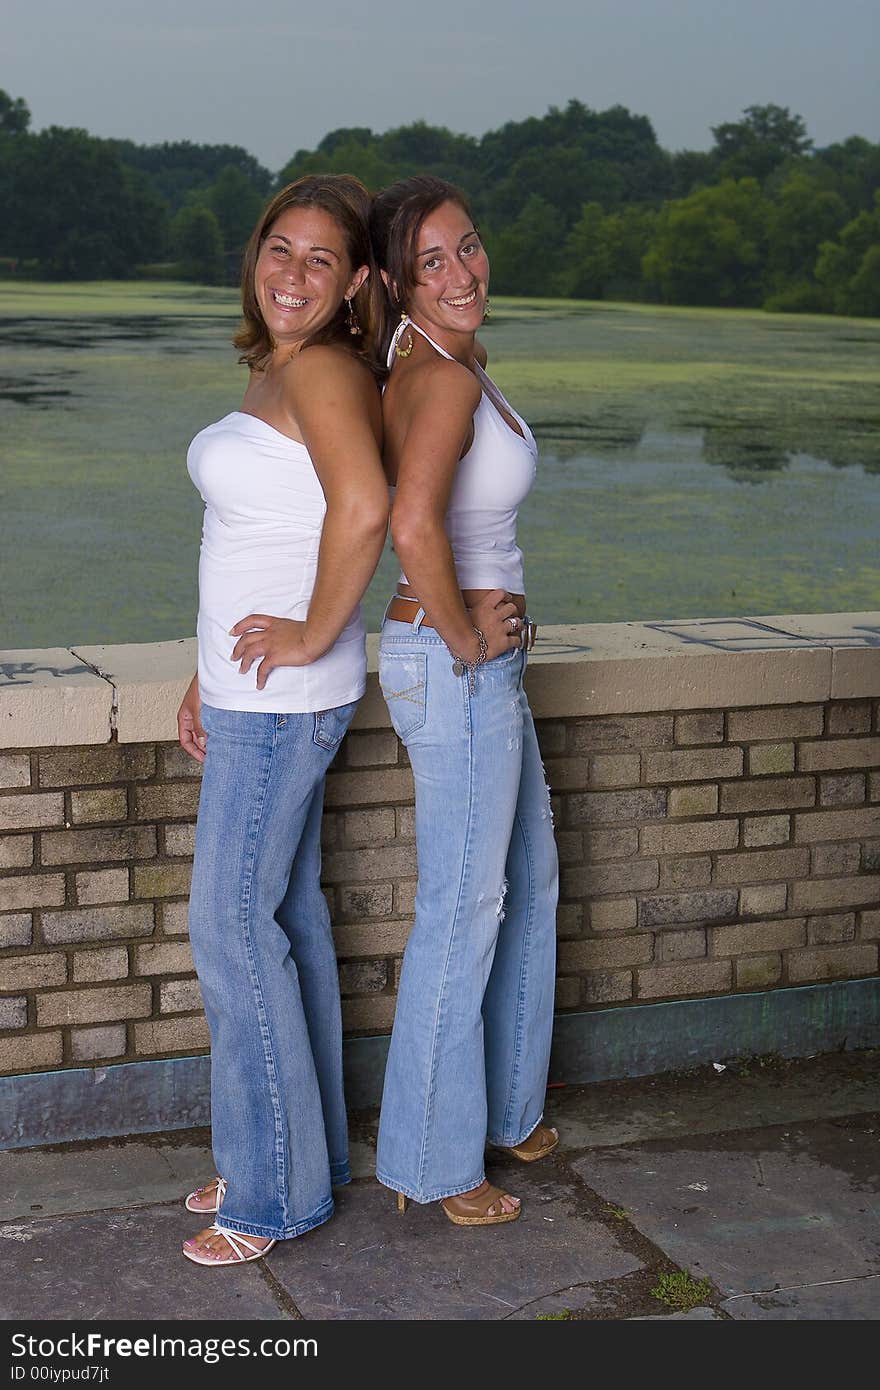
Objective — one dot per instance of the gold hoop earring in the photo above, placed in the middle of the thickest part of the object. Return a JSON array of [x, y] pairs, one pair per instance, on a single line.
[[404, 323], [353, 322], [487, 312]]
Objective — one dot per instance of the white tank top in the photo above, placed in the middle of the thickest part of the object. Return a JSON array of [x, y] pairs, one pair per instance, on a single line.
[[264, 510], [491, 481]]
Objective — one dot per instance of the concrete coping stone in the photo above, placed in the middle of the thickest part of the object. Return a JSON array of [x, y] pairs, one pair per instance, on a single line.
[[51, 698], [85, 694]]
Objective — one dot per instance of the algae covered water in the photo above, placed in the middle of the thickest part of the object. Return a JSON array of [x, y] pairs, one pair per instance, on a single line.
[[693, 462]]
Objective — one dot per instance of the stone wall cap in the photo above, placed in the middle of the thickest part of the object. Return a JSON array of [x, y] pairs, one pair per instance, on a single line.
[[51, 698], [78, 695], [150, 680], [147, 663]]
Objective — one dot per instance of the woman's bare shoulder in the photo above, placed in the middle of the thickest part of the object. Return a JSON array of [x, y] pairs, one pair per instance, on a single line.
[[439, 383], [330, 365]]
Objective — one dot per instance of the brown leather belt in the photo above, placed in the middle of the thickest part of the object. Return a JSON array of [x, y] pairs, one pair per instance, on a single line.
[[404, 610]]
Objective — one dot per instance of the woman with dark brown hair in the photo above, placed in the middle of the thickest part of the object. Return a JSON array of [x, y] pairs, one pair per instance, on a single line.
[[295, 517], [471, 1041]]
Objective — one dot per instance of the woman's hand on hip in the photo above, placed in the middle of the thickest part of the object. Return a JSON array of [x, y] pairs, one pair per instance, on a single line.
[[271, 642], [493, 615], [190, 734]]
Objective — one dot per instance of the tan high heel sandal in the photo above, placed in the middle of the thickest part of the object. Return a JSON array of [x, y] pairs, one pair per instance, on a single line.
[[542, 1141], [464, 1210]]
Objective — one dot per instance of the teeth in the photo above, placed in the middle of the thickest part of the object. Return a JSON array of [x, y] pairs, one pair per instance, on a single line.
[[289, 301], [463, 299]]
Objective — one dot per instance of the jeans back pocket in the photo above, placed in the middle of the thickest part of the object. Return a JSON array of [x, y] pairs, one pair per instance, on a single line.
[[331, 725], [403, 677]]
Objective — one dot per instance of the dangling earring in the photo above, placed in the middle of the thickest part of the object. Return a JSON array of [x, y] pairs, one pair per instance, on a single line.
[[487, 312], [352, 320], [404, 323]]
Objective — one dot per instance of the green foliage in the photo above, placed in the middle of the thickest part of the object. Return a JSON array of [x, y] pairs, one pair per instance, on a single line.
[[576, 202], [801, 218], [378, 160], [571, 157], [588, 258], [525, 255], [349, 156], [73, 208], [633, 230], [197, 242], [852, 169], [562, 178], [180, 172], [564, 1315], [236, 203], [603, 252], [680, 1291], [864, 288], [804, 297], [691, 169], [709, 247], [15, 116], [756, 145], [848, 267]]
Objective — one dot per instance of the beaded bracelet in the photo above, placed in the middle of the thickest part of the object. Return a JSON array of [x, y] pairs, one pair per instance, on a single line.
[[459, 665]]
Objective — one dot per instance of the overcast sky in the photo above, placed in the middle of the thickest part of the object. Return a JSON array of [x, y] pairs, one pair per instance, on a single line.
[[276, 75]]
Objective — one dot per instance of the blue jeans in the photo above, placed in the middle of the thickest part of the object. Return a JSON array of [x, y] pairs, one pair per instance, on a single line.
[[471, 1042], [263, 949]]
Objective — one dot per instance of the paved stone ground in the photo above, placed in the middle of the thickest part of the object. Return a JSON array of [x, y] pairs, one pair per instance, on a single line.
[[758, 1187]]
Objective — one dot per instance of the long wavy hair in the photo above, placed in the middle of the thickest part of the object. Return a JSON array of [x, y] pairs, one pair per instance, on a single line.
[[348, 202], [395, 221]]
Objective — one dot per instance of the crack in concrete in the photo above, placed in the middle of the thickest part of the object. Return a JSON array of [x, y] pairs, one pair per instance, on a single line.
[[279, 1292], [495, 1299], [625, 1231], [104, 676], [792, 1288]]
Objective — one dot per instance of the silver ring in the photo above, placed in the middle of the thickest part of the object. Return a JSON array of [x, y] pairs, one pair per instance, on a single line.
[[514, 623]]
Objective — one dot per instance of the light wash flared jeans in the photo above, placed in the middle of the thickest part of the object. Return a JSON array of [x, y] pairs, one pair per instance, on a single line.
[[263, 949], [471, 1042]]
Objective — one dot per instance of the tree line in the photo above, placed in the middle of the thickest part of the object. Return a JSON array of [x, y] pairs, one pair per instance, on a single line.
[[576, 203]]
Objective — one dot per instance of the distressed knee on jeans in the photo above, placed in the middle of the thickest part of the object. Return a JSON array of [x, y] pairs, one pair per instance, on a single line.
[[499, 910], [547, 808]]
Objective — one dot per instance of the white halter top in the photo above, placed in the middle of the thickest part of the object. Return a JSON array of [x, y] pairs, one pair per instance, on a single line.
[[491, 481]]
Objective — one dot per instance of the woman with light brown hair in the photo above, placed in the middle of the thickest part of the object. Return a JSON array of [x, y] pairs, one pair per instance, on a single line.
[[295, 517]]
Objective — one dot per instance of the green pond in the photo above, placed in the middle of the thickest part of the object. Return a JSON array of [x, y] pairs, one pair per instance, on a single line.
[[693, 462]]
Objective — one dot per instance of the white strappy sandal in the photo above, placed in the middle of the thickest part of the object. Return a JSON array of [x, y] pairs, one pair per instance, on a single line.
[[207, 1211], [238, 1244]]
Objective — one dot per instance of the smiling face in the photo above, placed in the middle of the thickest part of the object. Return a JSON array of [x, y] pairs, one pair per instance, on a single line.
[[302, 274], [452, 274]]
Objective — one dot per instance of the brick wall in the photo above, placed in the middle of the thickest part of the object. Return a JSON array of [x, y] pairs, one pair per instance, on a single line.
[[726, 851], [702, 852]]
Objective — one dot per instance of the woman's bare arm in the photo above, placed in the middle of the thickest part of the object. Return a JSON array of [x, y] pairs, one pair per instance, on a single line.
[[190, 734], [334, 402], [439, 402], [339, 414]]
